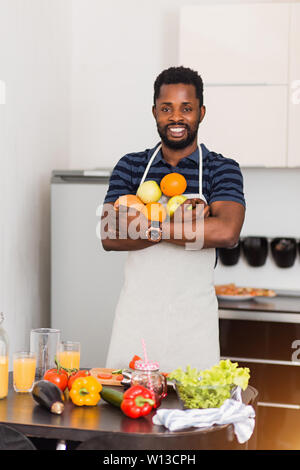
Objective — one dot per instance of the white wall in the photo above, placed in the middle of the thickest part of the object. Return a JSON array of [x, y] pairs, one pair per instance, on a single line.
[[34, 63], [118, 50]]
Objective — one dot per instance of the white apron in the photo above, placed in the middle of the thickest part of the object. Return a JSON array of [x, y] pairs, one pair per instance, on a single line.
[[168, 299]]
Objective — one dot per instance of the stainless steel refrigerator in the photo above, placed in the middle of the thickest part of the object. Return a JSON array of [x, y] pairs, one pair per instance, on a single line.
[[85, 279]]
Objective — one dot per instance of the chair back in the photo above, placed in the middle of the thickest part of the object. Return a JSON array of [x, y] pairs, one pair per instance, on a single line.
[[11, 439]]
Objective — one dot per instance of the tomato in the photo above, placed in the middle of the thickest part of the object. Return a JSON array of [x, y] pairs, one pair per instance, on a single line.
[[132, 362], [75, 375], [57, 376], [104, 376], [118, 377]]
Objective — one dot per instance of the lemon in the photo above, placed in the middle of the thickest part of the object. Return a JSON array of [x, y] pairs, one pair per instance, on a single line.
[[174, 202]]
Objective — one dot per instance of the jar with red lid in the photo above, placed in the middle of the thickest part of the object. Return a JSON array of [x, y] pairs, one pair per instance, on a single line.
[[147, 374]]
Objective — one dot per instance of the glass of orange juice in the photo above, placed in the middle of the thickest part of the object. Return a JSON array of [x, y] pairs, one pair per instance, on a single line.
[[24, 364], [69, 354], [3, 376]]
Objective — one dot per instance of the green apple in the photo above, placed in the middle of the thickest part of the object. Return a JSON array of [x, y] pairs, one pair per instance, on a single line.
[[149, 191], [174, 202]]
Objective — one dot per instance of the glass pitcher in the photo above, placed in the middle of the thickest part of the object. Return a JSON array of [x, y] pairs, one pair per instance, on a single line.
[[44, 343]]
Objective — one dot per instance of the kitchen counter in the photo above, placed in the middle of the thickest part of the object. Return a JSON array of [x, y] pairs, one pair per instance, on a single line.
[[105, 427], [282, 308]]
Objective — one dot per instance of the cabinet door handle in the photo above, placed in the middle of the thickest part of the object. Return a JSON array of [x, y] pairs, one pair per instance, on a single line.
[[278, 405], [262, 361]]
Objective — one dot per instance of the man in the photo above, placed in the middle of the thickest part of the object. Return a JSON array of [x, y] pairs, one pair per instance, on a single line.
[[168, 298]]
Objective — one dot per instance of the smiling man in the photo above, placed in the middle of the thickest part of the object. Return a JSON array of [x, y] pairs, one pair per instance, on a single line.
[[175, 132], [168, 297]]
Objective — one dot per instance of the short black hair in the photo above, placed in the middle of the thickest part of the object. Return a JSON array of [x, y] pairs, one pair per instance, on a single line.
[[180, 74]]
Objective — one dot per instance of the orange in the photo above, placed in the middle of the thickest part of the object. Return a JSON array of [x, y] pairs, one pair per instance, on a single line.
[[173, 184], [129, 200], [155, 211]]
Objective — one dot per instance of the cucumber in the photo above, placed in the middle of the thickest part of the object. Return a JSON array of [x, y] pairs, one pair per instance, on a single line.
[[112, 396]]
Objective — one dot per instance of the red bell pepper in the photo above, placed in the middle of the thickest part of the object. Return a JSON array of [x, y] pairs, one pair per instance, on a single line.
[[137, 401]]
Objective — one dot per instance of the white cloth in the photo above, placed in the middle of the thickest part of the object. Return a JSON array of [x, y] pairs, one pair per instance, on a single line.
[[232, 411], [168, 299]]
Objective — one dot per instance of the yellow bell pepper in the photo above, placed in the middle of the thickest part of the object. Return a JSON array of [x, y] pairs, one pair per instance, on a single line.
[[85, 391]]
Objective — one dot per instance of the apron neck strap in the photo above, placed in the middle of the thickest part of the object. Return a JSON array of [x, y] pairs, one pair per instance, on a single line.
[[156, 152], [200, 169], [149, 163]]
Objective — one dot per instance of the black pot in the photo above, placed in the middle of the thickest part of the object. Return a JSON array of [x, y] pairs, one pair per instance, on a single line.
[[230, 256], [284, 251], [255, 250]]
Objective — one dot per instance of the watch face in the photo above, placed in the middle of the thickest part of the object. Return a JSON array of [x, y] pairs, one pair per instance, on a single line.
[[154, 234]]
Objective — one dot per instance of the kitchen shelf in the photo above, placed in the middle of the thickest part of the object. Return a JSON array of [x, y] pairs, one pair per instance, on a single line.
[[279, 304]]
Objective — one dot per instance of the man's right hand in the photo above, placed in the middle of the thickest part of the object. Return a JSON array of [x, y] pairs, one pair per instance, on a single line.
[[132, 223], [123, 229]]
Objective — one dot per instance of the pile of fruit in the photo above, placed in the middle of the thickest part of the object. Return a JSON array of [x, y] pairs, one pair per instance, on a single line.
[[149, 193]]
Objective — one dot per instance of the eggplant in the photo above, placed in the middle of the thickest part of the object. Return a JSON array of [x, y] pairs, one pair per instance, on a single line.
[[230, 256], [255, 250], [284, 251], [49, 396]]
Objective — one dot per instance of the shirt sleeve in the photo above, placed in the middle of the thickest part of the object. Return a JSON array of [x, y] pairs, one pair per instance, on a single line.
[[227, 183], [120, 182]]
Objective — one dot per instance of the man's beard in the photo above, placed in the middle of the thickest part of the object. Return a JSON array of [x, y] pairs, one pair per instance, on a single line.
[[178, 144]]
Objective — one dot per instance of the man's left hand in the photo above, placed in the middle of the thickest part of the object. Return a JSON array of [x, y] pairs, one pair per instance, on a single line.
[[193, 208]]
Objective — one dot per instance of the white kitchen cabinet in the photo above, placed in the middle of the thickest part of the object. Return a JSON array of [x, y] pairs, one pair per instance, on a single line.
[[247, 123], [244, 43], [294, 89]]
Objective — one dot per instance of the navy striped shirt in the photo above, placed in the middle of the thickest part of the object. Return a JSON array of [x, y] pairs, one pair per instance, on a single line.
[[222, 179]]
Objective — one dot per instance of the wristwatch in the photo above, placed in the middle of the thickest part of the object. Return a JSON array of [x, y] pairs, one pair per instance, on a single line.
[[154, 232]]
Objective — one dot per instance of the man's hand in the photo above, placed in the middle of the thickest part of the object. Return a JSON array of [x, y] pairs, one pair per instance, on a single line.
[[190, 209], [132, 223], [123, 229], [217, 225], [186, 226]]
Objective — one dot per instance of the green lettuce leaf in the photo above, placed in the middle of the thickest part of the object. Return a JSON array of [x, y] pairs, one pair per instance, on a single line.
[[210, 387]]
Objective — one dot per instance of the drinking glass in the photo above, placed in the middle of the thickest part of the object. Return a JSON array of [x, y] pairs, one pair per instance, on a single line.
[[3, 360], [69, 354], [24, 364], [44, 343]]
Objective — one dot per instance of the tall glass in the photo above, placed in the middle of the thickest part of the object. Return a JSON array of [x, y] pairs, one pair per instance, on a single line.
[[3, 360], [24, 364], [44, 343], [3, 376], [69, 354]]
